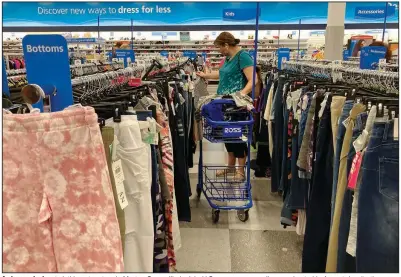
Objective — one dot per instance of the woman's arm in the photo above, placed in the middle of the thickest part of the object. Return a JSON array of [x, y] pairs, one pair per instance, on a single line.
[[248, 71], [214, 75]]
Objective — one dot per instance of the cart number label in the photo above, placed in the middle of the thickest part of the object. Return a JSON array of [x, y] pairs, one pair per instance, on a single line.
[[232, 131]]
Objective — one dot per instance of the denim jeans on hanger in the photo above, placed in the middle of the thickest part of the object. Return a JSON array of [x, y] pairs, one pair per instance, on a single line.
[[377, 248], [278, 125], [345, 262], [317, 230], [181, 175]]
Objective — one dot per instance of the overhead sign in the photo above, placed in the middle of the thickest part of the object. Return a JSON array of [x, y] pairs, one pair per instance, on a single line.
[[371, 55], [114, 13], [239, 14], [374, 12], [164, 53], [47, 65], [283, 54], [125, 55]]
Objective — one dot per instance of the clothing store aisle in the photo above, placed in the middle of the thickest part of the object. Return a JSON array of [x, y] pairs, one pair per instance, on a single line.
[[259, 245]]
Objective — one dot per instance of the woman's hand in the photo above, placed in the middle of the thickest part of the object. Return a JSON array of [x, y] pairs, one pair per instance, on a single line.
[[201, 74]]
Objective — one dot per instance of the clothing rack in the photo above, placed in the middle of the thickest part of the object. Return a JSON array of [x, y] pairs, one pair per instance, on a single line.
[[337, 72], [107, 76]]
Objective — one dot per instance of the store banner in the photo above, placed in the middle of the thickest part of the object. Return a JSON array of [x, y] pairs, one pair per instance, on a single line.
[[125, 55], [374, 12], [47, 65], [5, 88], [283, 54], [114, 13], [371, 55]]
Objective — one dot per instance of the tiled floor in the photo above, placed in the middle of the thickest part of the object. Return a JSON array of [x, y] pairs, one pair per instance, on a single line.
[[259, 245]]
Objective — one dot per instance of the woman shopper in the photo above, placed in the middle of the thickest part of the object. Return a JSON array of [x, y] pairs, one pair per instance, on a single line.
[[235, 76]]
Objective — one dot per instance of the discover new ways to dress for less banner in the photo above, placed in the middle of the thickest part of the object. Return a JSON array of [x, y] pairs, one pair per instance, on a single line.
[[35, 14]]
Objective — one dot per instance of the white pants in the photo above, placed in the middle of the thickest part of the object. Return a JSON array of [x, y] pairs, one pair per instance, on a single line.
[[136, 163]]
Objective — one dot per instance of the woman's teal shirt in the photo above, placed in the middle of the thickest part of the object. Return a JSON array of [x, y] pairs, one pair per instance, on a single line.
[[232, 78]]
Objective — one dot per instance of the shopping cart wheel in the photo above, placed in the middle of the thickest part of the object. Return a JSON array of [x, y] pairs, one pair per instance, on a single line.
[[198, 192], [215, 215], [243, 215]]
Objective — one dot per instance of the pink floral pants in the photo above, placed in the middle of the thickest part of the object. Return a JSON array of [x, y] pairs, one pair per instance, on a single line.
[[58, 205]]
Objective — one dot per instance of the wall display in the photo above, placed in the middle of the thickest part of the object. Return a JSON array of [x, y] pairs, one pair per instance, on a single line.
[[196, 13]]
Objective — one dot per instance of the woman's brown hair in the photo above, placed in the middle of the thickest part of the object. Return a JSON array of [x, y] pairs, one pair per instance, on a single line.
[[226, 37]]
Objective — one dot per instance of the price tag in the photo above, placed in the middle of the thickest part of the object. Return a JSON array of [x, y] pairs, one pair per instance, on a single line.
[[346, 122], [355, 168], [119, 182], [395, 135]]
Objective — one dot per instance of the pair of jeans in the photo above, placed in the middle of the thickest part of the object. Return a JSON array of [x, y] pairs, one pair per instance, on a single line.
[[341, 188], [278, 125], [284, 144], [377, 248], [318, 210], [338, 145], [345, 262], [59, 213], [181, 175]]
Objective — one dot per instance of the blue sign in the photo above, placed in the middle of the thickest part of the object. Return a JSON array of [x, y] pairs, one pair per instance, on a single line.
[[47, 65], [317, 33], [371, 55], [164, 53], [367, 12], [166, 34], [189, 54], [283, 54], [374, 12], [124, 54], [116, 13], [239, 14], [232, 132], [109, 56], [5, 88], [345, 55]]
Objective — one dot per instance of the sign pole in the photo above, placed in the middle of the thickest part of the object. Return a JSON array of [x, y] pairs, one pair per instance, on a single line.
[[385, 21], [256, 50], [5, 88], [132, 34], [278, 41], [98, 33], [299, 38]]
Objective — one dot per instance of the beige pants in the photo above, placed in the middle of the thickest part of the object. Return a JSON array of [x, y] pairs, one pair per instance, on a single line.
[[331, 265], [337, 104]]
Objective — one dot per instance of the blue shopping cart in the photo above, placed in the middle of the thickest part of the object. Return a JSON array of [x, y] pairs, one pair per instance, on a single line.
[[223, 122]]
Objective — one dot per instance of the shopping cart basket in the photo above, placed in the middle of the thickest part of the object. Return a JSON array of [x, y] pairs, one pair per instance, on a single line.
[[224, 122]]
